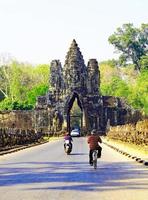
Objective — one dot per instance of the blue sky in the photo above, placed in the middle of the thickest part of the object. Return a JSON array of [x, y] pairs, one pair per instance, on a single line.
[[38, 31]]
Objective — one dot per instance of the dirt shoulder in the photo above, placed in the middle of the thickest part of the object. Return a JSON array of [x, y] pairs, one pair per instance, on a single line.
[[131, 150]]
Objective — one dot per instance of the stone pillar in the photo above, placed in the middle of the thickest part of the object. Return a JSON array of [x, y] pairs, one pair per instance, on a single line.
[[115, 117], [106, 114], [98, 123], [68, 122], [108, 125], [84, 120], [65, 122]]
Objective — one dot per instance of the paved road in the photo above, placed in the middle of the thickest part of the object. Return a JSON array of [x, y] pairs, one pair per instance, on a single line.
[[46, 173]]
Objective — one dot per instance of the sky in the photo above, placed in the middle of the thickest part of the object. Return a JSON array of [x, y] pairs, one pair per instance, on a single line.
[[38, 31]]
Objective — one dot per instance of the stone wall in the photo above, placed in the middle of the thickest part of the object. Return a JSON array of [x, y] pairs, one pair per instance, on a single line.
[[45, 119], [20, 119], [10, 137], [20, 127], [131, 133]]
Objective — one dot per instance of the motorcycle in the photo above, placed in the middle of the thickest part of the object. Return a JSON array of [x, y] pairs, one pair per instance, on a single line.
[[67, 146]]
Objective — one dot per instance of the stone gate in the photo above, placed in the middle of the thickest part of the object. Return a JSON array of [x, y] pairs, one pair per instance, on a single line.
[[76, 81]]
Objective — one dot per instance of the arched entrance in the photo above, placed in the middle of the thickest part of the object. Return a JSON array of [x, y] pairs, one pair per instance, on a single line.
[[74, 119]]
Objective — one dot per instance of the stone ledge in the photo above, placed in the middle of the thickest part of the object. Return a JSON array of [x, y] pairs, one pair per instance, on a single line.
[[137, 159]]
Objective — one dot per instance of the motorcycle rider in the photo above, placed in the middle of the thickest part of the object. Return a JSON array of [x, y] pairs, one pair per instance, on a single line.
[[93, 140], [69, 138]]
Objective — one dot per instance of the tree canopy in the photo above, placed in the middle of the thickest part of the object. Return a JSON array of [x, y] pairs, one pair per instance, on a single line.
[[21, 83], [127, 83], [131, 43]]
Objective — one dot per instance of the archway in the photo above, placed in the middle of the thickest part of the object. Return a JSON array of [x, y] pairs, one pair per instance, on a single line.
[[76, 116], [74, 112]]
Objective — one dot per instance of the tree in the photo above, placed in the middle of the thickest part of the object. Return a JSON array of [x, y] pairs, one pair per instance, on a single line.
[[131, 43], [39, 90], [108, 69], [116, 87], [21, 83], [5, 73], [144, 62], [138, 97]]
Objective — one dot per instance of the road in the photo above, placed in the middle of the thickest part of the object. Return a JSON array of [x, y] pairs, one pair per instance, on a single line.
[[45, 172]]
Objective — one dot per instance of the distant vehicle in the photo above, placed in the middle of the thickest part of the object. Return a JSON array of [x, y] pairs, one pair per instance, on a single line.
[[75, 133]]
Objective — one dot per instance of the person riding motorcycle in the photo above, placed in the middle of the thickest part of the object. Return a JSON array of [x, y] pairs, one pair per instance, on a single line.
[[69, 138], [93, 140]]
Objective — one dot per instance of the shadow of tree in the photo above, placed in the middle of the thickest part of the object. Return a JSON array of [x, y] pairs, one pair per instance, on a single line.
[[79, 176]]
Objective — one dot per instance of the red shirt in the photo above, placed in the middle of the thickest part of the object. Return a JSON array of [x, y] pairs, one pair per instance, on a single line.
[[93, 141]]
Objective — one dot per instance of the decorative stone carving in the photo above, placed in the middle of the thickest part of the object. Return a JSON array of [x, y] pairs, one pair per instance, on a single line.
[[76, 81]]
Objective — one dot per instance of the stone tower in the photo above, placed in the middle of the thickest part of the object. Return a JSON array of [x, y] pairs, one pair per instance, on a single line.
[[75, 73], [93, 77], [56, 80]]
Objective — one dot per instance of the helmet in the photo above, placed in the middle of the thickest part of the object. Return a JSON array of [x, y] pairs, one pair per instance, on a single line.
[[93, 132]]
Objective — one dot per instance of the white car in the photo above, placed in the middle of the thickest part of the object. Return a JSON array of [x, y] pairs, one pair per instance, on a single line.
[[75, 133]]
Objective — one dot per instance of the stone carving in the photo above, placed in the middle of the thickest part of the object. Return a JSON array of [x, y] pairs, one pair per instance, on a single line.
[[56, 78], [58, 121], [78, 81], [93, 76]]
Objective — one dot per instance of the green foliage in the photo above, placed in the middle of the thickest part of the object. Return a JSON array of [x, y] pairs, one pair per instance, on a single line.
[[116, 87], [144, 62], [112, 63], [138, 96], [15, 82], [108, 69], [127, 83], [35, 92], [21, 83], [131, 43], [7, 104]]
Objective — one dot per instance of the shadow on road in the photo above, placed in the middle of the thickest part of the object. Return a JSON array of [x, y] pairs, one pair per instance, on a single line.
[[79, 176], [78, 154]]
